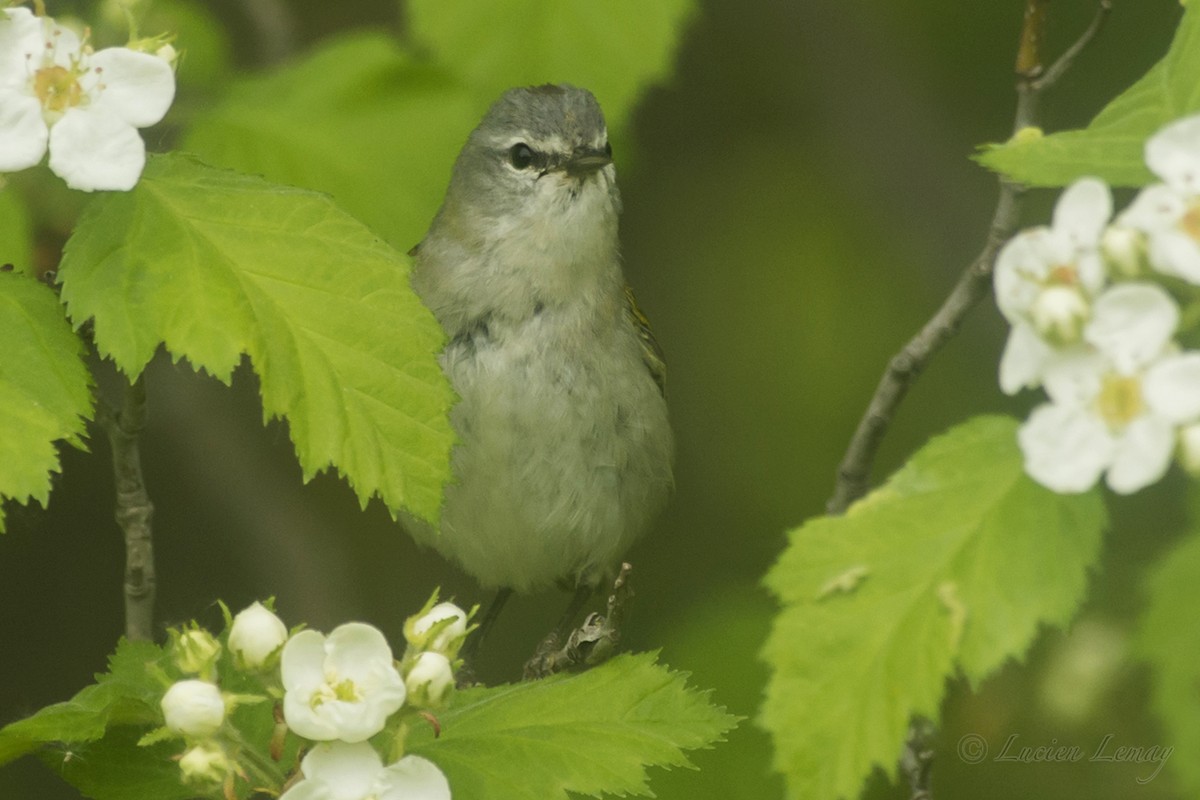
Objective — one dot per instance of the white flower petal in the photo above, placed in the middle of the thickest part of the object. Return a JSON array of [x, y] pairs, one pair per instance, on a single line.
[[1173, 252], [302, 662], [20, 34], [1155, 208], [1023, 360], [355, 649], [414, 778], [1141, 455], [1132, 323], [1082, 212], [348, 770], [23, 132], [1174, 155], [1065, 448], [137, 87], [1172, 388], [92, 149], [1019, 268], [59, 44], [1073, 376]]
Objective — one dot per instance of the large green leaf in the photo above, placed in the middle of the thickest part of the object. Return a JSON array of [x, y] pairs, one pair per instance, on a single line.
[[127, 694], [952, 564], [1111, 146], [216, 264], [358, 119], [592, 733], [615, 48], [45, 393], [1169, 641]]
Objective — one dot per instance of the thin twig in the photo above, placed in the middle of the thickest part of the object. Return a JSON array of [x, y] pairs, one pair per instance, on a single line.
[[854, 472], [275, 25], [134, 509]]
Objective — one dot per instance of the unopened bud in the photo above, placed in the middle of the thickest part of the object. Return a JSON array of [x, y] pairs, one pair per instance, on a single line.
[[193, 708], [204, 765], [1124, 249], [441, 628], [196, 652], [429, 680], [1059, 314], [256, 635]]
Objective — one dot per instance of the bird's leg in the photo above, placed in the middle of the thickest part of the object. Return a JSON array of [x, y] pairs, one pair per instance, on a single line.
[[592, 642], [470, 649]]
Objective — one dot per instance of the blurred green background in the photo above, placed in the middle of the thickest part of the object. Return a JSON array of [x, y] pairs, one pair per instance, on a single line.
[[798, 199]]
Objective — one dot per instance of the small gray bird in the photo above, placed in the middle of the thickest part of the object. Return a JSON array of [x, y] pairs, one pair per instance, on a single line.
[[565, 451]]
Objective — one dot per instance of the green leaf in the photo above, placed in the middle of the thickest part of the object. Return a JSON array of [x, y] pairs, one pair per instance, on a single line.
[[358, 119], [45, 393], [115, 768], [1169, 641], [592, 733], [16, 234], [217, 264], [952, 564], [1111, 146], [615, 49], [127, 694]]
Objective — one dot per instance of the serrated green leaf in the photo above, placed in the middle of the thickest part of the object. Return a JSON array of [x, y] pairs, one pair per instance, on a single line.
[[16, 235], [116, 768], [1169, 641], [1111, 146], [952, 564], [614, 49], [126, 694], [593, 733], [45, 393], [358, 119], [216, 264]]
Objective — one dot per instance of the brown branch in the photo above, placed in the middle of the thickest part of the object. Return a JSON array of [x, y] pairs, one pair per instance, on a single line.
[[854, 472], [134, 510]]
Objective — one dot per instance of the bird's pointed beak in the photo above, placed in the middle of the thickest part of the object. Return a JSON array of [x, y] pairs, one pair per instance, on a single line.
[[584, 162]]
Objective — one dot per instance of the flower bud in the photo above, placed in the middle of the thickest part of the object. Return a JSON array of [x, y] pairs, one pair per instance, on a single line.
[[204, 765], [429, 680], [196, 652], [193, 708], [256, 635], [1059, 314], [1124, 249], [440, 628]]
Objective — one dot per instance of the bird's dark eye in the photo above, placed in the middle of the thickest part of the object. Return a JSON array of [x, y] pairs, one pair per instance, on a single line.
[[608, 149], [521, 155]]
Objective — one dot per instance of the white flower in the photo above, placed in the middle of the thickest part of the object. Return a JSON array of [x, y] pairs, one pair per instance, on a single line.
[[1046, 279], [341, 687], [84, 106], [429, 679], [193, 708], [417, 629], [1115, 408], [1189, 448], [341, 771], [1169, 212], [255, 635]]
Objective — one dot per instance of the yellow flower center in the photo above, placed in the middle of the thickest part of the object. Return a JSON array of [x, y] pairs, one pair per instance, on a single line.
[[1189, 223], [57, 88], [1120, 401], [1063, 275]]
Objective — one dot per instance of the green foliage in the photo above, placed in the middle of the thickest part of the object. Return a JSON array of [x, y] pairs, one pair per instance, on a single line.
[[127, 694], [358, 119], [951, 565], [614, 49], [592, 733], [215, 264], [1169, 641], [16, 241], [1111, 146], [45, 391]]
